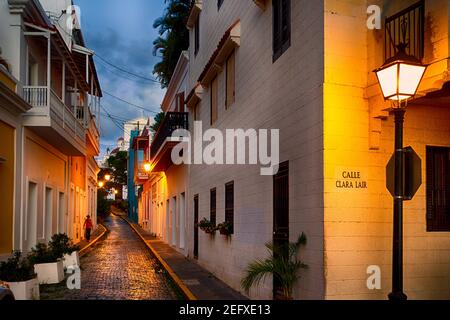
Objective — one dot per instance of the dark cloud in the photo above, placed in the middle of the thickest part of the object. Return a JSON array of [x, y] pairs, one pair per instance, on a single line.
[[122, 33]]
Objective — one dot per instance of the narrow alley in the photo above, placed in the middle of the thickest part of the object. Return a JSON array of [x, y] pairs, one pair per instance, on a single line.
[[119, 267]]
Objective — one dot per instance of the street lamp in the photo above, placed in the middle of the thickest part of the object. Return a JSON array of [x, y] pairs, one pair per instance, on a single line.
[[101, 184], [107, 177], [147, 167], [399, 79]]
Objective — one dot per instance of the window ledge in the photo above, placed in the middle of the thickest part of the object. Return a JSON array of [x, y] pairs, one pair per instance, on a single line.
[[197, 6], [261, 3], [229, 42], [194, 97]]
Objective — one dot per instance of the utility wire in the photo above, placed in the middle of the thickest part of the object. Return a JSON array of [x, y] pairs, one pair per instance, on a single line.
[[125, 71], [121, 75], [130, 103]]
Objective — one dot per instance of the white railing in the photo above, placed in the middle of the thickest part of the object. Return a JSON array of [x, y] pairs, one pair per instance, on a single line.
[[36, 96], [66, 117]]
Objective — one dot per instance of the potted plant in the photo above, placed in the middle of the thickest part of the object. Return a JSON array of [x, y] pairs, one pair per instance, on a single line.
[[62, 247], [283, 264], [19, 275], [207, 226], [225, 228], [48, 266]]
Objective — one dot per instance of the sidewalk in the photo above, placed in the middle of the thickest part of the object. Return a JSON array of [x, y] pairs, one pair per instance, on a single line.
[[201, 284]]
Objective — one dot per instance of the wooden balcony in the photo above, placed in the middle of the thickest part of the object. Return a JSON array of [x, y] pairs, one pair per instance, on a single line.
[[163, 142], [54, 120], [92, 135]]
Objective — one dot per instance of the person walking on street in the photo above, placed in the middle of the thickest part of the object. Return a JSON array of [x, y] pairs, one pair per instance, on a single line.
[[88, 226]]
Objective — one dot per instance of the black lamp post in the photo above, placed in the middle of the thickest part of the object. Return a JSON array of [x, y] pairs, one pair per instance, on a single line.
[[399, 78]]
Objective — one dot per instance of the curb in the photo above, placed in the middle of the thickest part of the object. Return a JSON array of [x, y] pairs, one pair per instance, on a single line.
[[180, 284], [82, 251]]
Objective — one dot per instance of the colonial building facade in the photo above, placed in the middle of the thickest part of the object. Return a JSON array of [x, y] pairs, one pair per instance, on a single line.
[[306, 68], [57, 135]]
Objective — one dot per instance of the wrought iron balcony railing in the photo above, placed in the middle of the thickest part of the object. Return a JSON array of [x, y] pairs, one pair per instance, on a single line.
[[172, 122], [407, 26]]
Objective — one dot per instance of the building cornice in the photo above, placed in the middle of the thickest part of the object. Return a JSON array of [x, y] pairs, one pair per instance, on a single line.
[[229, 42], [177, 77], [196, 8], [11, 102]]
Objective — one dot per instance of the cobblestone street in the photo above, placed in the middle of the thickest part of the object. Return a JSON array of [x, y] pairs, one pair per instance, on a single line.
[[119, 267]]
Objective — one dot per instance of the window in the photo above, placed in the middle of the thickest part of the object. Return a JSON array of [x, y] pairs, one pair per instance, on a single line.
[[197, 36], [214, 101], [219, 3], [230, 81], [438, 189], [213, 205], [229, 204], [281, 27]]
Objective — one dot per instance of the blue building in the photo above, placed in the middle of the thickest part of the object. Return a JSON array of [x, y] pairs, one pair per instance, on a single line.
[[132, 188]]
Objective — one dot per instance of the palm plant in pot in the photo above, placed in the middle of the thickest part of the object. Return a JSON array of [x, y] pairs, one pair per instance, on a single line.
[[62, 247], [48, 266], [283, 264], [19, 275]]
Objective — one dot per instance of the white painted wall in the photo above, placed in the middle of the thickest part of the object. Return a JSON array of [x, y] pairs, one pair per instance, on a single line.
[[284, 95]]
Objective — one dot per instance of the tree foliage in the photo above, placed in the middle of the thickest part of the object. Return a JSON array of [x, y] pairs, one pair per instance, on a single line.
[[118, 164], [157, 122], [173, 38]]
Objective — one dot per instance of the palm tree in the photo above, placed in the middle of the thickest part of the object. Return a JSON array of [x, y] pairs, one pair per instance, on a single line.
[[173, 38], [283, 264]]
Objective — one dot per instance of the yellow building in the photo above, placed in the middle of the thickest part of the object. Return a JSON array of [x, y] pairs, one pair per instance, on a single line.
[[11, 108], [57, 137]]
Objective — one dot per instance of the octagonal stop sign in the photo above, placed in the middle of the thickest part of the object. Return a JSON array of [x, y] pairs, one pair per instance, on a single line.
[[412, 174]]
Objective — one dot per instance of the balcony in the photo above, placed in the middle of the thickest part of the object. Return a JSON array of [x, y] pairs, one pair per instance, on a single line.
[[57, 123], [92, 134], [162, 145]]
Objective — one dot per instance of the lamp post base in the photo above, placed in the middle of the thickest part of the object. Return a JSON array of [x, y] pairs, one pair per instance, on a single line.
[[397, 296]]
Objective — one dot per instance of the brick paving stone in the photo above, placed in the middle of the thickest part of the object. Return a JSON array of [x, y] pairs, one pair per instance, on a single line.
[[120, 267]]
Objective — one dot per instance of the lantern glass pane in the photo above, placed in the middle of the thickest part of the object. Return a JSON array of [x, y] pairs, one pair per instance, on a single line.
[[409, 78], [388, 80]]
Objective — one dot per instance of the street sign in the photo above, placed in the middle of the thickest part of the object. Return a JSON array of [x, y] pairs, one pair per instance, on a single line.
[[412, 174]]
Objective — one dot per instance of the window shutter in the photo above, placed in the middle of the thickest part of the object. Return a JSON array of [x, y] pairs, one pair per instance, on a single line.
[[438, 189], [213, 205], [214, 97], [229, 204], [231, 82], [430, 186]]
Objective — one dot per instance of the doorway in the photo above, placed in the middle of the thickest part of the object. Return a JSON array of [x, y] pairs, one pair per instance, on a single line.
[[174, 221], [196, 227], [182, 221], [61, 213], [32, 202], [280, 214], [48, 214]]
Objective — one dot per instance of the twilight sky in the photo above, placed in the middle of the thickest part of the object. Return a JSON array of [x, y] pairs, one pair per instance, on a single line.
[[122, 33]]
